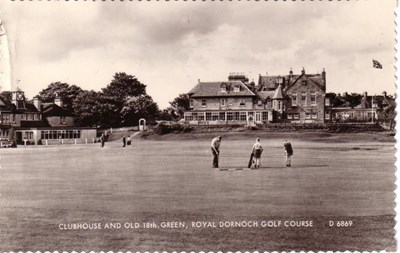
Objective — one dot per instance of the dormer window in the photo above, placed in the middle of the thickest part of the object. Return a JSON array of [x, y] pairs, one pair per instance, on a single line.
[[236, 89], [304, 82], [259, 102], [223, 89]]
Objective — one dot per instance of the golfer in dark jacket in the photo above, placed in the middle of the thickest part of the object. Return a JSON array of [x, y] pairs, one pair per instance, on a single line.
[[287, 147], [124, 141]]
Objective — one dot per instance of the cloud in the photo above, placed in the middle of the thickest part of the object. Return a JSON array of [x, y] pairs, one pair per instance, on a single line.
[[171, 44]]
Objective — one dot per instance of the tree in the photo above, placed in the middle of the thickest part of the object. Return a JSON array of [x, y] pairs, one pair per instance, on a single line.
[[180, 104], [116, 94], [6, 96], [387, 115], [137, 107], [65, 91], [352, 99], [87, 107]]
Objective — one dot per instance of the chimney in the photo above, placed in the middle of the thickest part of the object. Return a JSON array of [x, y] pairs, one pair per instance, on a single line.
[[345, 94], [291, 73], [58, 101], [37, 103], [365, 95], [384, 94], [324, 76], [303, 71]]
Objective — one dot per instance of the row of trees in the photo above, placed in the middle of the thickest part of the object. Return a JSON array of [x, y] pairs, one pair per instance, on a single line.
[[122, 103]]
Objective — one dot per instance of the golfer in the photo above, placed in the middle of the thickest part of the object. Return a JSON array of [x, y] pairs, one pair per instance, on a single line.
[[215, 143], [287, 147], [257, 151]]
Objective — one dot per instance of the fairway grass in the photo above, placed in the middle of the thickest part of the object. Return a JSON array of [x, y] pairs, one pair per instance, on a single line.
[[168, 181]]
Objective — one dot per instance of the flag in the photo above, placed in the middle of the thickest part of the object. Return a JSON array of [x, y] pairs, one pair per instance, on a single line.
[[376, 64]]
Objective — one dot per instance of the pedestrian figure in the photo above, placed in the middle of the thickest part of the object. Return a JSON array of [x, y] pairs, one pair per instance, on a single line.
[[128, 140], [102, 140], [287, 147], [257, 151], [215, 143], [124, 141]]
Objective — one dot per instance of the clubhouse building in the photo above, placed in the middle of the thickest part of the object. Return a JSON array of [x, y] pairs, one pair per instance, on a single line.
[[284, 98], [291, 98], [40, 123]]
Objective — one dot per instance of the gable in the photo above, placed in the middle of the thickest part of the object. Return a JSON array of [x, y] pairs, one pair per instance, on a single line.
[[306, 83]]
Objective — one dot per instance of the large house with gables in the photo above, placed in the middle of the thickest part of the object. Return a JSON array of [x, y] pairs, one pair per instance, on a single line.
[[284, 98]]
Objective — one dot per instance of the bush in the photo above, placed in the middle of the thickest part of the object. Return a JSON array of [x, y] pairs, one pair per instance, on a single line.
[[173, 128]]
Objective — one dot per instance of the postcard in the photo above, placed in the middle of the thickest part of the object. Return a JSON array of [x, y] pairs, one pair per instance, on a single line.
[[197, 126]]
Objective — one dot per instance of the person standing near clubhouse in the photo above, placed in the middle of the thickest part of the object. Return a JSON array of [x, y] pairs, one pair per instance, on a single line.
[[124, 141], [102, 140], [215, 143], [257, 151], [287, 146]]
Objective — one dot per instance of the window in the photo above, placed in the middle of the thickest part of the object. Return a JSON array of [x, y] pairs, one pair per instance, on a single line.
[[327, 102], [236, 116], [188, 118], [214, 116], [203, 103], [259, 103], [243, 116], [294, 99], [28, 135], [264, 116], [222, 116], [327, 115], [77, 134], [201, 117], [223, 89], [6, 118], [279, 105], [308, 115], [314, 115], [62, 120], [30, 116], [242, 102], [191, 103], [223, 102], [279, 80], [304, 82], [304, 98], [296, 116], [229, 116], [236, 89], [13, 118], [290, 116], [208, 116], [313, 98]]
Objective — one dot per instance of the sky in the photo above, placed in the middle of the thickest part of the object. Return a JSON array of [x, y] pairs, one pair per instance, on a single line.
[[169, 46]]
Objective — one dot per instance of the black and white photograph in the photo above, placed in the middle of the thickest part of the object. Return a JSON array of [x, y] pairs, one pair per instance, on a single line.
[[197, 126]]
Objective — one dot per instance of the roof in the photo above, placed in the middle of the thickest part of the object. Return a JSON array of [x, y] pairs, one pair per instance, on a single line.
[[215, 89], [270, 82], [55, 110], [266, 94], [33, 123], [315, 78], [278, 93]]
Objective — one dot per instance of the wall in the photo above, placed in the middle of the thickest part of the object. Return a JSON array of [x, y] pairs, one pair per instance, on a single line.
[[232, 103]]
